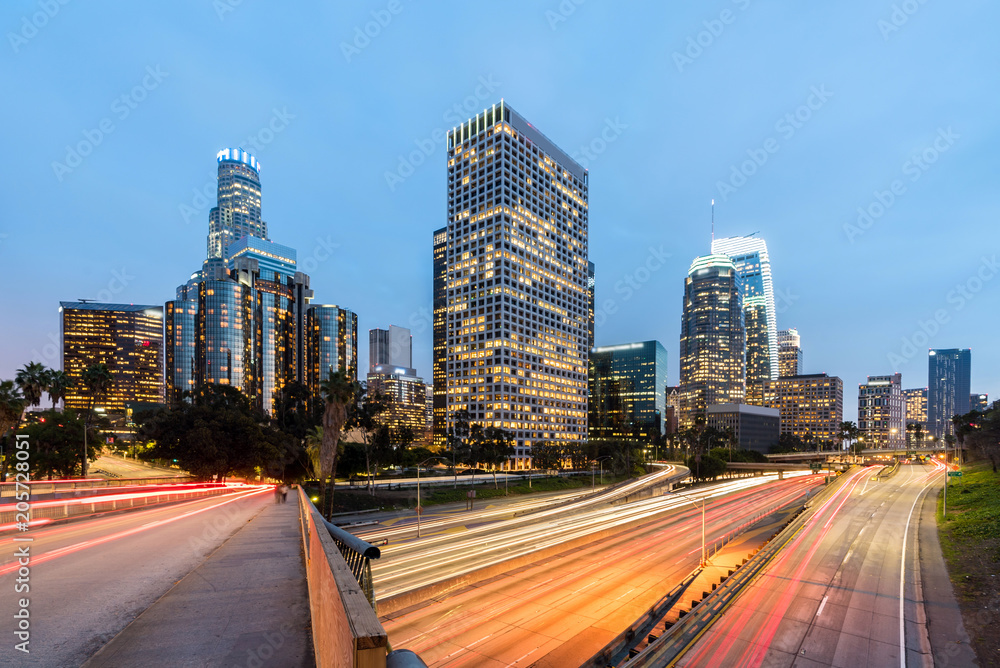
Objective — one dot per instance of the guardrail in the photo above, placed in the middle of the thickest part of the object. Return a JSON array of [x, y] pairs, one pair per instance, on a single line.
[[8, 489], [345, 628]]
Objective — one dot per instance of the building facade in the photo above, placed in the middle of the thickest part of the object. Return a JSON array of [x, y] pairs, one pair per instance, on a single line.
[[332, 345], [979, 402], [392, 347], [789, 353], [758, 356], [627, 385], [916, 410], [180, 329], [405, 397], [713, 339], [949, 375], [237, 211], [127, 338], [753, 264], [440, 344], [811, 406], [516, 337], [754, 427], [882, 412]]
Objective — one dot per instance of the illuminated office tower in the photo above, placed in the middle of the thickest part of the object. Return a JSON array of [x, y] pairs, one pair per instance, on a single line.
[[758, 355], [979, 402], [591, 288], [237, 212], [628, 391], [516, 279], [128, 338], [916, 409], [439, 375], [390, 347], [181, 333], [713, 339], [332, 344], [789, 353], [882, 412], [949, 375], [811, 406], [749, 256]]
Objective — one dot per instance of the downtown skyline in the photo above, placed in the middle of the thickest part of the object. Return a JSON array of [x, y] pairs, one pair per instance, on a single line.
[[115, 235]]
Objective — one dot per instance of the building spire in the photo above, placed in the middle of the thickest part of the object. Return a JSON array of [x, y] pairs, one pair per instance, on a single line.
[[713, 221]]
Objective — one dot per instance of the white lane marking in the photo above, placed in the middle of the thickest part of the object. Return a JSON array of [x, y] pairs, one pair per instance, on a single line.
[[902, 580], [516, 661], [821, 606]]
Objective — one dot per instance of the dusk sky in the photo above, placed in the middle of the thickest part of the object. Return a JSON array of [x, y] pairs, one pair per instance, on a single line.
[[792, 116]]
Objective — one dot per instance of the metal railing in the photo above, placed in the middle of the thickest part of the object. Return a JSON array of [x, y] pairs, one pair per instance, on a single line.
[[358, 555]]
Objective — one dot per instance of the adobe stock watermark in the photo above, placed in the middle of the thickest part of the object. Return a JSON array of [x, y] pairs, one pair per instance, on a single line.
[[363, 35], [784, 299], [898, 17], [121, 107], [223, 7], [913, 168], [33, 23], [958, 297], [202, 198], [453, 116], [704, 39], [612, 130], [786, 127], [562, 12], [321, 252], [631, 283]]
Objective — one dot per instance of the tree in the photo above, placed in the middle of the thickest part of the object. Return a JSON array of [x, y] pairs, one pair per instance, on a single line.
[[55, 445], [367, 418], [339, 391], [705, 467], [848, 432], [32, 379], [292, 411], [496, 447], [215, 435], [546, 455], [59, 383], [98, 381], [917, 430], [314, 441], [11, 409]]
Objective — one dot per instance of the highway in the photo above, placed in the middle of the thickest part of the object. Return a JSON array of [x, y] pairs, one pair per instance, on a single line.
[[841, 592], [89, 579], [111, 466], [561, 610]]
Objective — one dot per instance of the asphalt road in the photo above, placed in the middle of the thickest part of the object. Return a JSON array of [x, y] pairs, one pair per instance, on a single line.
[[120, 467], [563, 610], [89, 579], [842, 592]]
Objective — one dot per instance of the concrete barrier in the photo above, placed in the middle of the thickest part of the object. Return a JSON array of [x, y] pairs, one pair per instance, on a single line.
[[346, 631]]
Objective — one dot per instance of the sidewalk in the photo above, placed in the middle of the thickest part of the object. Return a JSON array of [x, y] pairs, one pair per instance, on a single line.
[[246, 605]]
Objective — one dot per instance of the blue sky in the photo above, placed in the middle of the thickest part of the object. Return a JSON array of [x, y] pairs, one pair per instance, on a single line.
[[792, 117]]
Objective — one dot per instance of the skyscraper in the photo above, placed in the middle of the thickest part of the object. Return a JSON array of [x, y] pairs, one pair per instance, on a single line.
[[237, 212], [753, 264], [516, 279], [180, 327], [979, 402], [916, 409], [332, 343], [882, 412], [811, 406], [712, 349], [758, 351], [789, 353], [393, 347], [390, 374], [440, 345], [591, 291], [128, 338], [949, 375], [628, 386]]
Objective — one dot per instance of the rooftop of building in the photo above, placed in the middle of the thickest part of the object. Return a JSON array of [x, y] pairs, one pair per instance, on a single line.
[[96, 306], [238, 155]]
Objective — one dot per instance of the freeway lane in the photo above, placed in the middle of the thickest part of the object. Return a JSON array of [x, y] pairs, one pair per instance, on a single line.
[[88, 579], [842, 591], [561, 611]]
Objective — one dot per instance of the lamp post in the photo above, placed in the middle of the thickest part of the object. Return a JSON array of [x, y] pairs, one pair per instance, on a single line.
[[600, 461], [419, 509], [704, 557]]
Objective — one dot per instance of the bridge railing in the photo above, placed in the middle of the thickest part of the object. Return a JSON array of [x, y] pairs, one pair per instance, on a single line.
[[346, 630]]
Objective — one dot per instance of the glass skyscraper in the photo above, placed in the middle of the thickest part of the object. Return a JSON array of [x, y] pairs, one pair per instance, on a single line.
[[440, 331], [789, 353], [516, 281], [332, 345], [128, 338], [949, 375], [181, 332], [749, 255], [713, 339], [237, 212], [628, 386]]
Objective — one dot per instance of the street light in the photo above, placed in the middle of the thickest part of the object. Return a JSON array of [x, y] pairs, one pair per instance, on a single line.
[[419, 509], [704, 558], [600, 461]]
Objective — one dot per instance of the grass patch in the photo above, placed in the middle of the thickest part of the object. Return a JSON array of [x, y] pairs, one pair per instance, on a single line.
[[437, 495]]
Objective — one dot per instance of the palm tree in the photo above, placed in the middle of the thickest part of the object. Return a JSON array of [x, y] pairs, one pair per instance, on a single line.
[[59, 382], [314, 442], [32, 378], [98, 381], [340, 391], [11, 408]]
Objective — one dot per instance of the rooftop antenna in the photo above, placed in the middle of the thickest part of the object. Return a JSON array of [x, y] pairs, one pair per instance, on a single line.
[[713, 221], [84, 301]]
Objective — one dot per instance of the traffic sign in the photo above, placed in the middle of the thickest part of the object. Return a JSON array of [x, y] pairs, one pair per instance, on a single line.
[[954, 474]]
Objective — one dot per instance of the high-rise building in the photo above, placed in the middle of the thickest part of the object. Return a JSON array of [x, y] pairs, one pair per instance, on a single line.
[[882, 412], [517, 298], [789, 353], [811, 406], [672, 413], [405, 398], [627, 391], [181, 333], [390, 347], [979, 402], [332, 344], [949, 375], [916, 409], [591, 292], [127, 338], [753, 264], [758, 355], [237, 212], [712, 349], [754, 427], [440, 344]]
